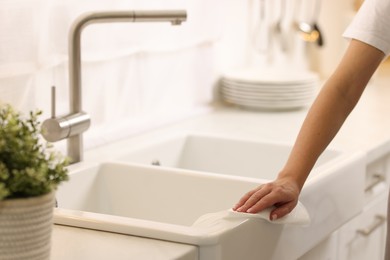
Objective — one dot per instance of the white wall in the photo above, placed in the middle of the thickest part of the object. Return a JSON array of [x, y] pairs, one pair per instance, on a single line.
[[334, 17], [134, 75]]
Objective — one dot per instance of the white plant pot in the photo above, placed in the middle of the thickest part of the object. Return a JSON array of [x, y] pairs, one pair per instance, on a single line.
[[25, 227]]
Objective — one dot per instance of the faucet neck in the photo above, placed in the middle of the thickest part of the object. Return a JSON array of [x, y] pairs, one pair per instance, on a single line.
[[173, 16], [81, 119]]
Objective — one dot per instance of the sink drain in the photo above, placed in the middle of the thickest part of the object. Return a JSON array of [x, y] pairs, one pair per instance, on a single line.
[[156, 162]]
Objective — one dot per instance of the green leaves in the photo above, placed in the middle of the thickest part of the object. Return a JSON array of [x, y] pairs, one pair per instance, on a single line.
[[27, 167]]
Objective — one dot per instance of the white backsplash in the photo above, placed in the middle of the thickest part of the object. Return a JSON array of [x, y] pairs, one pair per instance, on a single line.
[[134, 75], [131, 72]]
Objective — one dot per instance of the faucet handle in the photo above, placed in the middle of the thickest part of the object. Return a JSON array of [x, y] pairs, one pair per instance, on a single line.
[[53, 101], [57, 128]]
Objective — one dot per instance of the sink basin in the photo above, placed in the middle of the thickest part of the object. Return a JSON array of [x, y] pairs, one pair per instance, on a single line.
[[229, 156], [149, 193], [201, 175], [158, 203]]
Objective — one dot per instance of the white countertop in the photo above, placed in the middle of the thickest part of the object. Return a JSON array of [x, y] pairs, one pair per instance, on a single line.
[[76, 243], [367, 129]]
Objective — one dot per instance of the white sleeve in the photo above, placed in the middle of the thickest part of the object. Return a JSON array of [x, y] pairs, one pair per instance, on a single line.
[[371, 25]]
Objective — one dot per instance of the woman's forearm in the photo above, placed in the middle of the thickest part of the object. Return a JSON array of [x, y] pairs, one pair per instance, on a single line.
[[336, 100]]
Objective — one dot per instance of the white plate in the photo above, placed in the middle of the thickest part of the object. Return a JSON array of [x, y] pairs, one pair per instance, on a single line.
[[245, 93], [270, 88], [267, 97], [273, 76], [267, 104]]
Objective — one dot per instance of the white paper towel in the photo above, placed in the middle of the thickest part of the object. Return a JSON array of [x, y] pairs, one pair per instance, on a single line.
[[299, 216]]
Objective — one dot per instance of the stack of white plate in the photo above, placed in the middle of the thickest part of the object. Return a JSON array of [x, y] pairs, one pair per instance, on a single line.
[[269, 89]]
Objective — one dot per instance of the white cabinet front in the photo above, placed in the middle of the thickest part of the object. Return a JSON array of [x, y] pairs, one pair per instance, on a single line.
[[364, 237]]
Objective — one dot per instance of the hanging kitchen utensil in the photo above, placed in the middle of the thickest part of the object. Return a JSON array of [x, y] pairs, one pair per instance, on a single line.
[[261, 36], [317, 9], [279, 30], [310, 31]]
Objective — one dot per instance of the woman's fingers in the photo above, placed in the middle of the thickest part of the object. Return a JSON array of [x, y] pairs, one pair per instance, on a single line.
[[279, 194], [244, 198], [282, 210], [252, 198]]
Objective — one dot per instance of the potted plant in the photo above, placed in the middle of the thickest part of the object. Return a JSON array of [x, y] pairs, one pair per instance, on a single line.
[[30, 172]]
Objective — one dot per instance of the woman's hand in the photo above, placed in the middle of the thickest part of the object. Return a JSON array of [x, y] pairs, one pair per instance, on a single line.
[[281, 193], [335, 101]]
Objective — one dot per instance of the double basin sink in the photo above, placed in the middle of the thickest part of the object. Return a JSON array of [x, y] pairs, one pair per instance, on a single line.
[[180, 188]]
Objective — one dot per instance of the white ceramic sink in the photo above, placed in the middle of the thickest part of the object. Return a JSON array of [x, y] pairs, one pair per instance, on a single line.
[[140, 199], [230, 156]]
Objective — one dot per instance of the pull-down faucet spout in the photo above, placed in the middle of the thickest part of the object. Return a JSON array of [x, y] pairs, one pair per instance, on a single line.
[[72, 126]]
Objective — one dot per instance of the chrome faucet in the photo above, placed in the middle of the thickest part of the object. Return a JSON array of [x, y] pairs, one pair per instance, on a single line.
[[72, 126]]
